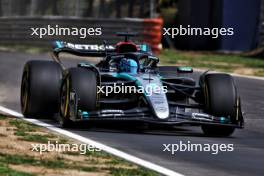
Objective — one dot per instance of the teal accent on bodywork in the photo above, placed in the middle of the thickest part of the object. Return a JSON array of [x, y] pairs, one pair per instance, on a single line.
[[186, 69], [128, 77], [144, 48], [58, 44], [85, 114], [223, 119], [83, 64], [132, 78]]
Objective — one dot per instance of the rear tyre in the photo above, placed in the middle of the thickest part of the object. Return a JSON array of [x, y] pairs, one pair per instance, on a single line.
[[221, 100], [83, 84], [40, 89]]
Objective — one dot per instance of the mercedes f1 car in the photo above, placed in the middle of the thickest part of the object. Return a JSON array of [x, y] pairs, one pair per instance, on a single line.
[[77, 93]]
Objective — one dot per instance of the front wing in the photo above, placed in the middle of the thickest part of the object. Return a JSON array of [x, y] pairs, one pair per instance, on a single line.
[[177, 116]]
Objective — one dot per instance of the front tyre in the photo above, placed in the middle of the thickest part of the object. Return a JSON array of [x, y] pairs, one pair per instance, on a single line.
[[221, 100], [82, 83]]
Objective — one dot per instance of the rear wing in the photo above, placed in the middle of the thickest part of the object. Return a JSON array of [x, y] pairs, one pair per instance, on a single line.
[[92, 50], [81, 49]]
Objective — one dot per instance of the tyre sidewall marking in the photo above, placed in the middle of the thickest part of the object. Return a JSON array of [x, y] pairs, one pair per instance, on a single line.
[[97, 90], [25, 95], [237, 108], [206, 96]]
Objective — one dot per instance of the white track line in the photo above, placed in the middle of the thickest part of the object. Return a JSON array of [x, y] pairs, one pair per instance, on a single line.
[[105, 148]]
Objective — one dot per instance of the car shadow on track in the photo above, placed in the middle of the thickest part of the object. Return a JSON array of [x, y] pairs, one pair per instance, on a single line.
[[133, 128], [139, 128]]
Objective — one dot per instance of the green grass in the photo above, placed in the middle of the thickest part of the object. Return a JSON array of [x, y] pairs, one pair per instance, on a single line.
[[2, 117], [36, 138], [98, 154], [63, 141], [114, 161], [57, 163], [24, 128], [20, 133], [6, 171], [218, 62], [16, 159], [117, 161], [30, 160], [26, 131], [128, 172]]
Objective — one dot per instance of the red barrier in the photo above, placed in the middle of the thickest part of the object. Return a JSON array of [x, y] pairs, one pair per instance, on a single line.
[[152, 33]]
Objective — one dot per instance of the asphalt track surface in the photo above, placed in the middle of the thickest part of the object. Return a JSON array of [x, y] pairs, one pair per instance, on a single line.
[[246, 159]]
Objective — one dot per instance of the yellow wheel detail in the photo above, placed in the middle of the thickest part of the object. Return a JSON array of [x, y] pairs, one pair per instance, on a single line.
[[25, 90], [67, 97]]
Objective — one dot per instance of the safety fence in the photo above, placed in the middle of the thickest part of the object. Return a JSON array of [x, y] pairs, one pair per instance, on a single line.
[[18, 30]]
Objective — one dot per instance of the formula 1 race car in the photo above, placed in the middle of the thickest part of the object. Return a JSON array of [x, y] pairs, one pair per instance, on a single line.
[[128, 85]]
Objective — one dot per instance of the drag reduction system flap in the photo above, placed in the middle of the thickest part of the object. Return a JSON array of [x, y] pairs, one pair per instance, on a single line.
[[88, 49]]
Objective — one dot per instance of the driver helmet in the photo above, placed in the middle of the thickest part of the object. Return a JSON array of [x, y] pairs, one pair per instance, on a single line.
[[128, 65]]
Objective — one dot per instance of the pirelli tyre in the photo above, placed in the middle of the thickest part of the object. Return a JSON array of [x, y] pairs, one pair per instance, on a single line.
[[82, 83], [40, 89], [221, 100]]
